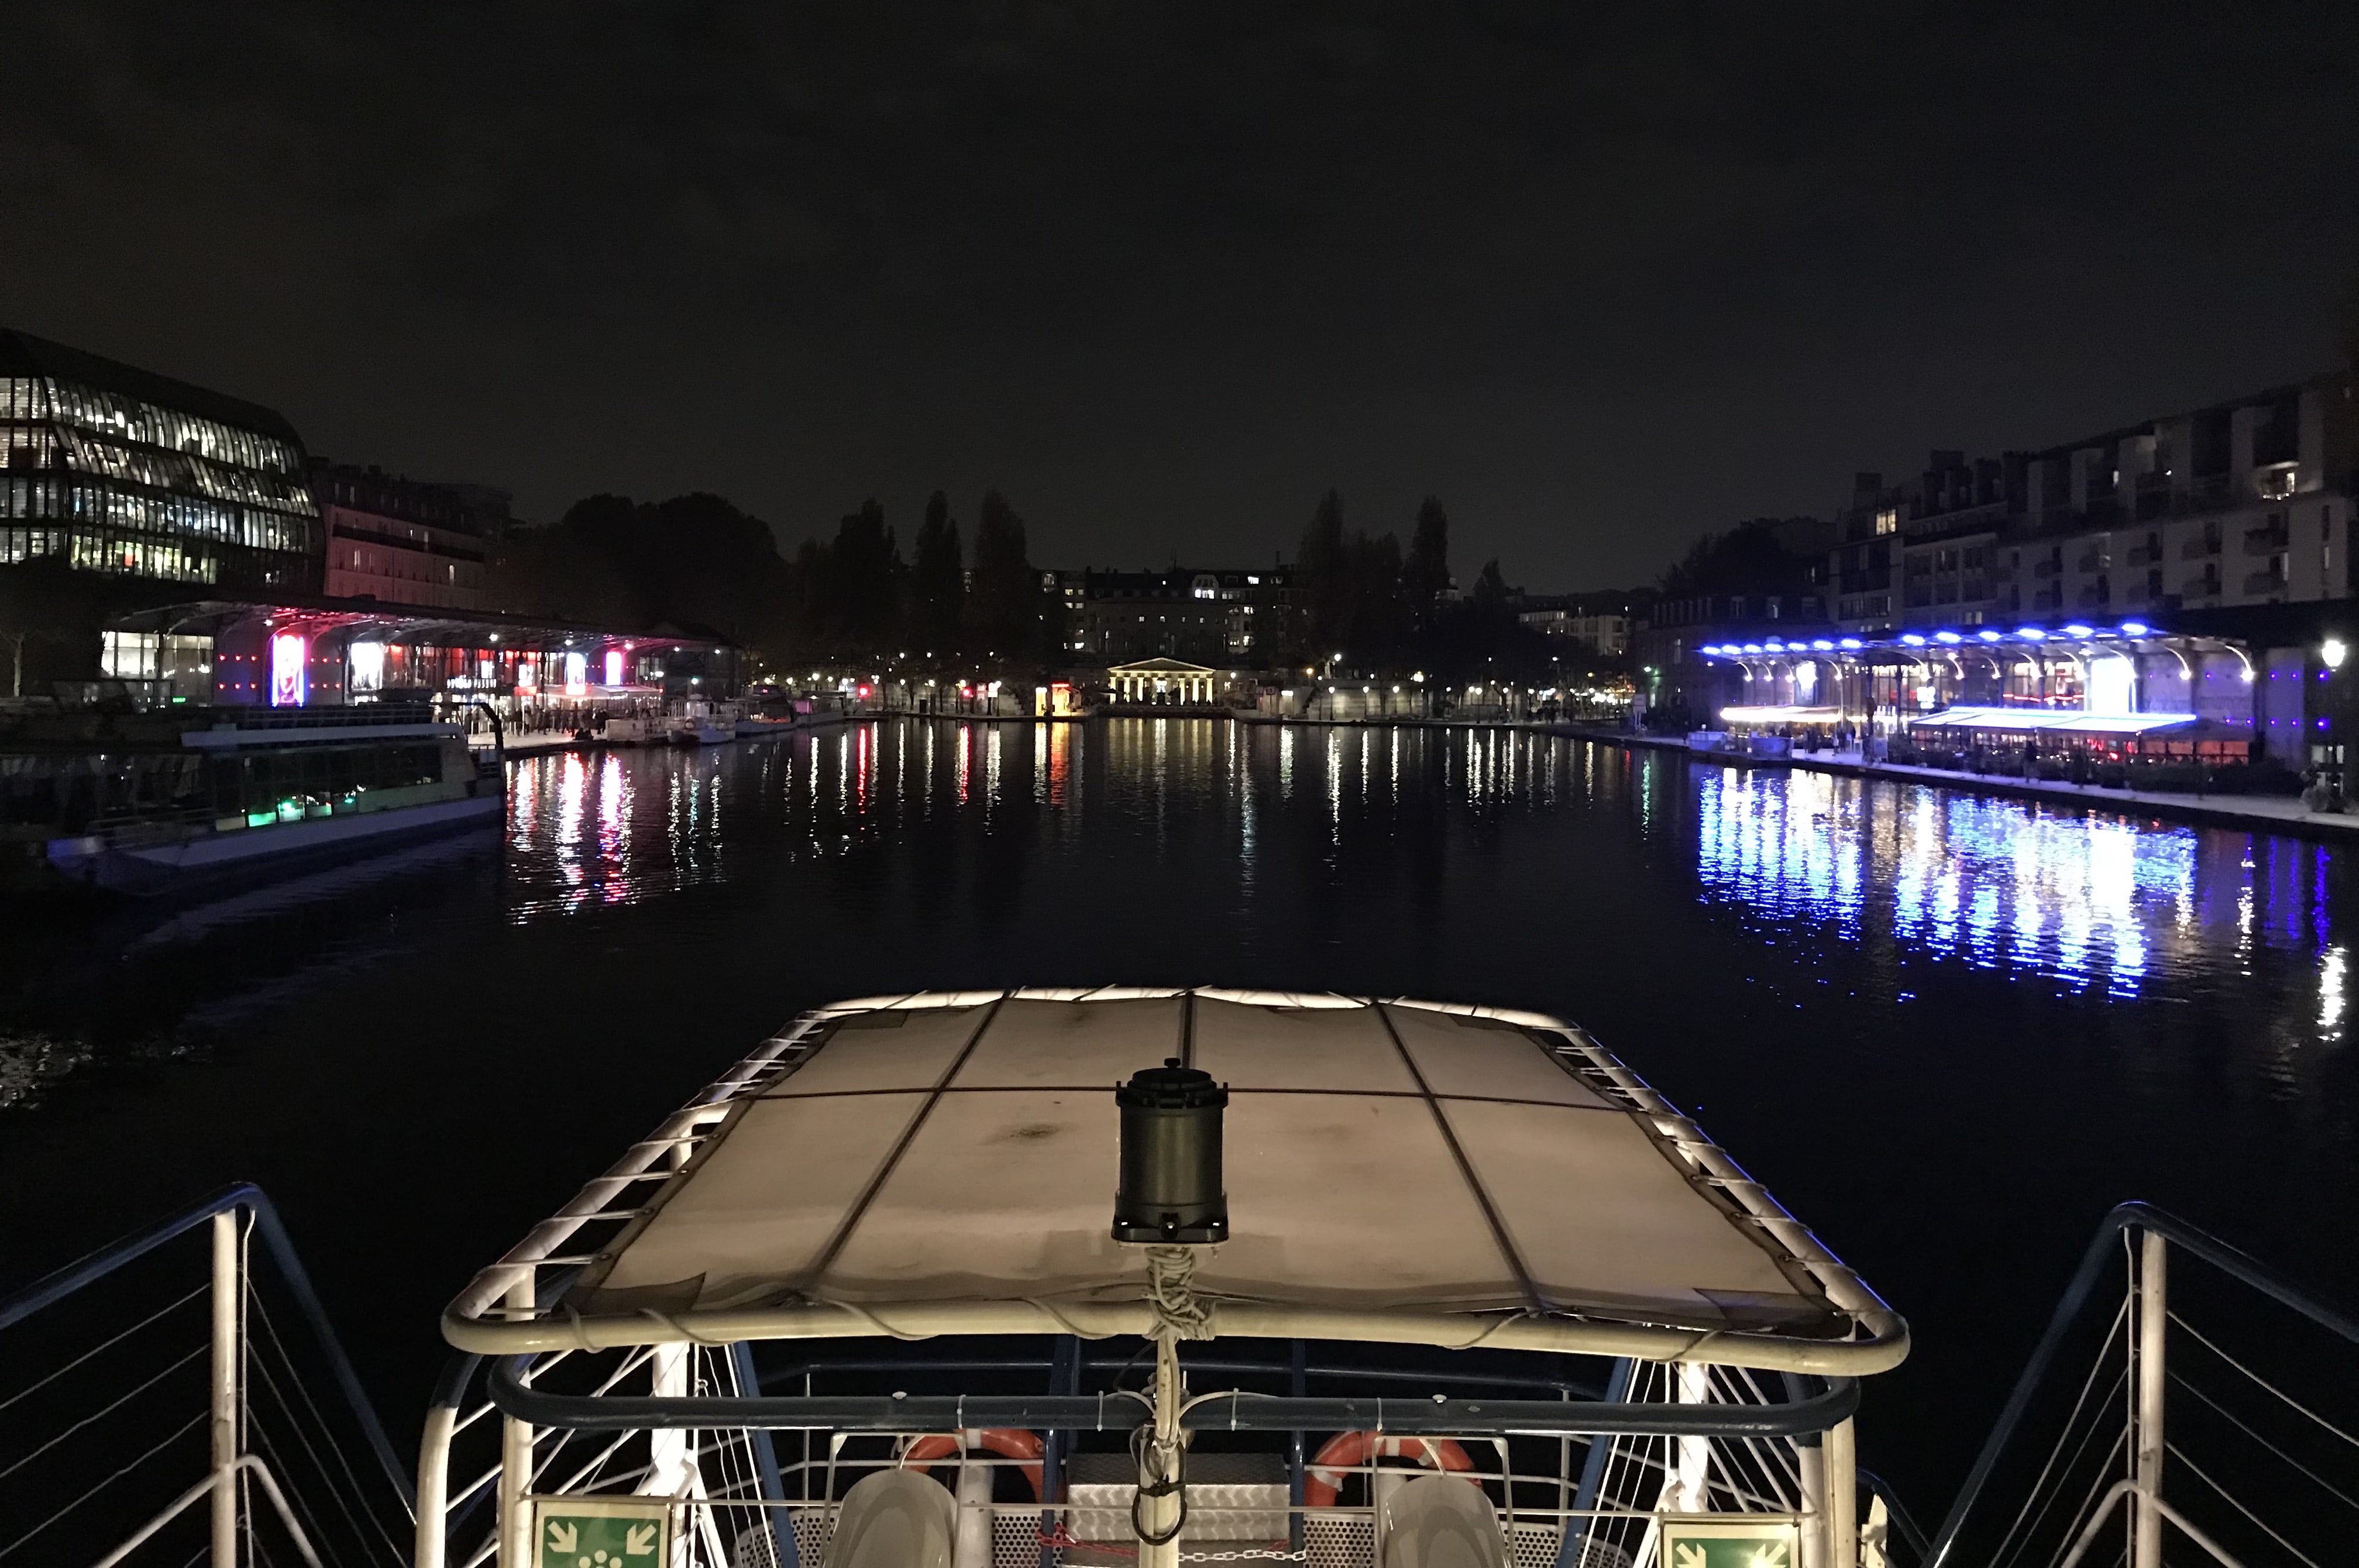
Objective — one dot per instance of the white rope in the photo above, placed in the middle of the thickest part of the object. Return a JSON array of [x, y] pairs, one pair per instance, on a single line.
[[194, 1422], [2000, 1554], [327, 1430], [118, 1339], [101, 1414], [2229, 1497], [2088, 1499], [2119, 1445], [1171, 1291], [2336, 1492], [2263, 1382]]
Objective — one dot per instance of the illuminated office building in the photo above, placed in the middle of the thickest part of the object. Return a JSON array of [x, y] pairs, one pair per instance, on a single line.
[[124, 473]]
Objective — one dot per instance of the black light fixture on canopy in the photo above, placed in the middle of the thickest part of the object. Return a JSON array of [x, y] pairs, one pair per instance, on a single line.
[[1171, 1190]]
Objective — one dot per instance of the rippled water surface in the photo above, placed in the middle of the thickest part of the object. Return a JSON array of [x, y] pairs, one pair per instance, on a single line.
[[1949, 1032]]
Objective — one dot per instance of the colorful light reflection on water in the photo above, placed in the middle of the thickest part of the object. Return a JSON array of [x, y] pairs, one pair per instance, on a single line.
[[2097, 901]]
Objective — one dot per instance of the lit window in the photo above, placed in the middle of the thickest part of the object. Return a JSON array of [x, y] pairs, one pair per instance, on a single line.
[[1888, 521]]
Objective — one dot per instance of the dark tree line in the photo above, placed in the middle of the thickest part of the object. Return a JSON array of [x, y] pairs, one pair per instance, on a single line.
[[1748, 558], [858, 597], [694, 561], [1380, 607], [698, 563]]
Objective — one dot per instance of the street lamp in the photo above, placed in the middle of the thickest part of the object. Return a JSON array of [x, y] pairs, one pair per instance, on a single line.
[[2332, 653]]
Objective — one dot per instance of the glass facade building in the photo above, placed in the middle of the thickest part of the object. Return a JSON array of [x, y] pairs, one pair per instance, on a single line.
[[134, 475]]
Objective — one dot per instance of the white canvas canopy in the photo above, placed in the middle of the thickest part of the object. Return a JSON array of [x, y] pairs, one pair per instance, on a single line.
[[1397, 1171]]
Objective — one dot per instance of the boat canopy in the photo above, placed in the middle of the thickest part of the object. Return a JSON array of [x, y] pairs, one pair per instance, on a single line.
[[1396, 1170]]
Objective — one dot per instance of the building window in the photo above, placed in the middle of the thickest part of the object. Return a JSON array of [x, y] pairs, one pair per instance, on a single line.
[[1888, 521]]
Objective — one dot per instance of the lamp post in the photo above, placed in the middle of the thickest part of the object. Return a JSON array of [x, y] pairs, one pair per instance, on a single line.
[[2331, 652]]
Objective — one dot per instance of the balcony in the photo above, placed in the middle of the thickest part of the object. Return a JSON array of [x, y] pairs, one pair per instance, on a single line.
[[2267, 540], [2048, 568], [2205, 587], [2144, 554], [2048, 599], [2197, 548], [2275, 481], [2271, 582], [2091, 560], [2096, 596]]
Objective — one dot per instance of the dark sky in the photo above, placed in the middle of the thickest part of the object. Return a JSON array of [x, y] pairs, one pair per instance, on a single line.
[[1164, 272]]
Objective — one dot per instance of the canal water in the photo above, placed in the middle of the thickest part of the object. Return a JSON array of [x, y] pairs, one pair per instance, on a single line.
[[1948, 1031]]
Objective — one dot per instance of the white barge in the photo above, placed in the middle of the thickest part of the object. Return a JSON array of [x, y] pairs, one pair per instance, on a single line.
[[1323, 1247]]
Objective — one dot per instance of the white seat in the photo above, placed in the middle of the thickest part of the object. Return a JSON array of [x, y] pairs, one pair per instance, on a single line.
[[1441, 1521], [894, 1518]]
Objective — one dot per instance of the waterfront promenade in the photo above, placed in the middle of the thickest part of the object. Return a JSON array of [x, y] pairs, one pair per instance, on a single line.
[[2264, 814]]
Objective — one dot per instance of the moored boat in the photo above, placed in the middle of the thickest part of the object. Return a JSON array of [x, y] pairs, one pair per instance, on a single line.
[[182, 798], [699, 723], [914, 1284]]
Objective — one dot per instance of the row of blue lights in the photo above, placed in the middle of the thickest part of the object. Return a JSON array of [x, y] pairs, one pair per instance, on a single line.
[[2073, 633]]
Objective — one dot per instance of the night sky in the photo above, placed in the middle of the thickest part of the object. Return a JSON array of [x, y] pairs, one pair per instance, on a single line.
[[1163, 273]]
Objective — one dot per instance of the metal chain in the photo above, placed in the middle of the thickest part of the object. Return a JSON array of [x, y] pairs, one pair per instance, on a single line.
[[1271, 1552]]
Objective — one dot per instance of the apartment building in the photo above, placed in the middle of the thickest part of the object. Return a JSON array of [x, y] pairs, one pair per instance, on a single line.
[[2242, 503], [397, 540], [1598, 623], [1223, 617]]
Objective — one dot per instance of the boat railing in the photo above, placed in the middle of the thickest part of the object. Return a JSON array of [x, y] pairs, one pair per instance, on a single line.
[[1588, 1475], [355, 715], [158, 1398], [2197, 1417]]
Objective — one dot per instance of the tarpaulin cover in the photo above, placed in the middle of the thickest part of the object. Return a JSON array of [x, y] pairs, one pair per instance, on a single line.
[[1378, 1157]]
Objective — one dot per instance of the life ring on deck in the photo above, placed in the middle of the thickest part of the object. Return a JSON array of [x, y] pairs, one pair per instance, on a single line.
[[1007, 1442], [1347, 1451]]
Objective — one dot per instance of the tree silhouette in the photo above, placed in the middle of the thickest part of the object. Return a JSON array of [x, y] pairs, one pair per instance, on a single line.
[[1004, 608], [611, 561], [937, 581], [1425, 575], [1748, 558], [1322, 586], [861, 584]]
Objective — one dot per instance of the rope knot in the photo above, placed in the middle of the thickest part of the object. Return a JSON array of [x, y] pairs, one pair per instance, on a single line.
[[1171, 1291]]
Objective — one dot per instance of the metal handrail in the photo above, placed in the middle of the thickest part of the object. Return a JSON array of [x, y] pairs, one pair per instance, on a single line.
[[2137, 1215], [1118, 1411], [1194, 1365], [1898, 1512], [54, 1287]]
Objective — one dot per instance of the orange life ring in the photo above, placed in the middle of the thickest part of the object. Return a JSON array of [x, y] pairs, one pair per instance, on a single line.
[[1347, 1451], [1007, 1442]]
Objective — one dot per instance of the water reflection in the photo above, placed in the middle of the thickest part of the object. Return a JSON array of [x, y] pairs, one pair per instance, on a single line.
[[2099, 902], [1252, 836]]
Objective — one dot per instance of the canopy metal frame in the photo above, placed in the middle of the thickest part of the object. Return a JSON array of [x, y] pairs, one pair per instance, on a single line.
[[506, 1309]]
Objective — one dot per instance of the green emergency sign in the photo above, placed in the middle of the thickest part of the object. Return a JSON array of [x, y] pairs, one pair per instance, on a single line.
[[1729, 1544], [601, 1532]]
